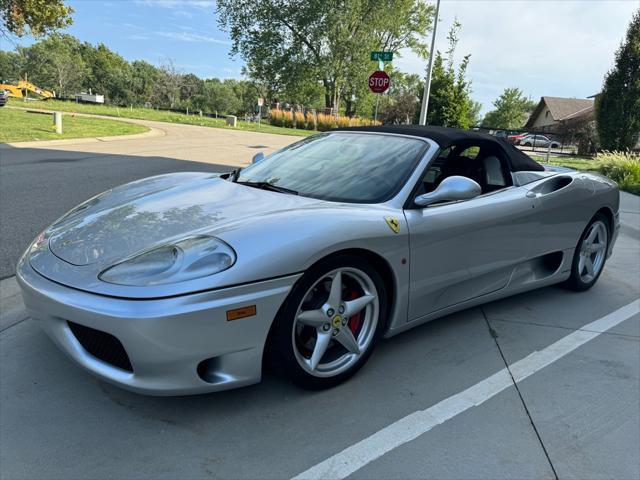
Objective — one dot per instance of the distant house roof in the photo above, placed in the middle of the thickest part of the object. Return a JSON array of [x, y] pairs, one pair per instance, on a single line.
[[580, 114], [561, 108]]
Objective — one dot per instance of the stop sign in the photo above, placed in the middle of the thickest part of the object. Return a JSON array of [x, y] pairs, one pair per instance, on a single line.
[[379, 82]]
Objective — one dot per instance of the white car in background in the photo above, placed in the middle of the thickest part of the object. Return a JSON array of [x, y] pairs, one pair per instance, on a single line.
[[536, 140]]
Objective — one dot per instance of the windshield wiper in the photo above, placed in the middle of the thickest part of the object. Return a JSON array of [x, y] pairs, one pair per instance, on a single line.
[[269, 186], [233, 175]]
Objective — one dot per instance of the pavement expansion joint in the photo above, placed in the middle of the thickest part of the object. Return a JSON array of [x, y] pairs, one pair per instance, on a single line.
[[493, 334], [546, 325]]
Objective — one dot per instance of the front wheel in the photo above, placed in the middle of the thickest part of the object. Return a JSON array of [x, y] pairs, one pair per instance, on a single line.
[[330, 322], [590, 255]]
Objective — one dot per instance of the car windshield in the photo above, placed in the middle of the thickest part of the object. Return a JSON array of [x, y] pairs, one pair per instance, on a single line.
[[342, 167]]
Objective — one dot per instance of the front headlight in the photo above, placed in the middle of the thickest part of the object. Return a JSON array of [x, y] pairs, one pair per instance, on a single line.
[[187, 259]]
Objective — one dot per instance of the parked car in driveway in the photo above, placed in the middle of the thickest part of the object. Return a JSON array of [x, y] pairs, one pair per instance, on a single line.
[[4, 97], [535, 140], [183, 283]]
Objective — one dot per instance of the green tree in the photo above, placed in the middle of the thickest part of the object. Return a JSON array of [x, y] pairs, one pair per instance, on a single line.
[[192, 93], [55, 63], [512, 109], [166, 89], [617, 108], [450, 103], [10, 66], [297, 45], [37, 17], [108, 74], [475, 118], [401, 103], [221, 97], [143, 77]]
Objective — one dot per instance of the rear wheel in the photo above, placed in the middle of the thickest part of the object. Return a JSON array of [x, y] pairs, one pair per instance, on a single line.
[[590, 254], [331, 322]]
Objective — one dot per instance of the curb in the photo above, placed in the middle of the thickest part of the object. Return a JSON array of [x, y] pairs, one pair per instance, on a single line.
[[153, 132], [13, 311]]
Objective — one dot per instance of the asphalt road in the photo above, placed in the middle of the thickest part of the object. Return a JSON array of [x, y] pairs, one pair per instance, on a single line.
[[577, 417]]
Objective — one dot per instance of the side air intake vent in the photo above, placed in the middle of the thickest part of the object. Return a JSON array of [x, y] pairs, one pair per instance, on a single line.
[[553, 185]]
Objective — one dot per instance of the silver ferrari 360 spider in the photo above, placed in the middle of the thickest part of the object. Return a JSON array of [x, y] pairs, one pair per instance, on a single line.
[[187, 282]]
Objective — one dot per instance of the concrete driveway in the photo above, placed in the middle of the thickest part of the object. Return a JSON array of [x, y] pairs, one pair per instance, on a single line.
[[541, 385]]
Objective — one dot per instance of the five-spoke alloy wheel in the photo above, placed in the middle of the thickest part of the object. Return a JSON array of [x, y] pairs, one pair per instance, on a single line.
[[590, 255], [331, 322]]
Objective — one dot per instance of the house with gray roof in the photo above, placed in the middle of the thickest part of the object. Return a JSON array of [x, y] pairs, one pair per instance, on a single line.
[[552, 110]]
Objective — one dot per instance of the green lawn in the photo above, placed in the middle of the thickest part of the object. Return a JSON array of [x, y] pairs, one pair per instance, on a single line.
[[575, 162], [155, 115], [22, 126]]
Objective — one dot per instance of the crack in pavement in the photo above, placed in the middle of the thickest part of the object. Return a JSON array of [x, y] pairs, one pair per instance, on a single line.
[[633, 337], [515, 384]]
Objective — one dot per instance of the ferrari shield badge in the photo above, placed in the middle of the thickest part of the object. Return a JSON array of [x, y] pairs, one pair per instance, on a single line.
[[393, 223]]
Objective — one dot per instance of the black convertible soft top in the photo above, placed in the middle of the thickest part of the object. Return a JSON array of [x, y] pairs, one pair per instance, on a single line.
[[445, 137]]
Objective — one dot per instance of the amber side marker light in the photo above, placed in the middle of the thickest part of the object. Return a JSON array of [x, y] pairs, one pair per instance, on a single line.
[[242, 312]]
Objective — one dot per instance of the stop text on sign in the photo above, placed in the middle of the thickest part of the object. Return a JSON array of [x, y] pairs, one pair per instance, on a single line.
[[379, 82]]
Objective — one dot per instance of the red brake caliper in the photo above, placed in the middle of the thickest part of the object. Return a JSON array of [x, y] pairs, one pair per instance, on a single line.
[[356, 320]]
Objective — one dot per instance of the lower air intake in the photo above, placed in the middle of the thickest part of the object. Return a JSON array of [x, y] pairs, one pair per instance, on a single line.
[[102, 345]]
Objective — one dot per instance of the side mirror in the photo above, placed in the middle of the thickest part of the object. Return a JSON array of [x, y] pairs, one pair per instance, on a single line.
[[258, 157], [451, 189]]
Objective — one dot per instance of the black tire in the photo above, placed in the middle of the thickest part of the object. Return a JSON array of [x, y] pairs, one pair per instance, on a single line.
[[527, 144], [575, 281], [281, 350]]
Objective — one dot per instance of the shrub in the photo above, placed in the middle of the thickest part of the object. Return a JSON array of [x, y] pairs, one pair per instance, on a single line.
[[275, 117], [342, 122], [311, 121], [623, 167], [326, 122], [287, 119], [299, 119]]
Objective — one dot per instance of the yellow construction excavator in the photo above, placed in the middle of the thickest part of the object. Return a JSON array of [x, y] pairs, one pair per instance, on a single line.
[[21, 89]]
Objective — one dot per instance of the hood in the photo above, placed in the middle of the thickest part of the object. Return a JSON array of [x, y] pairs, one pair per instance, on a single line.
[[159, 210]]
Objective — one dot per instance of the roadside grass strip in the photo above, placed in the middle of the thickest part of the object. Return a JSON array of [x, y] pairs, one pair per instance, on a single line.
[[353, 458]]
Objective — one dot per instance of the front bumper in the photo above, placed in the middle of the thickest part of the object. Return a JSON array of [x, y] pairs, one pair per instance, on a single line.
[[166, 340]]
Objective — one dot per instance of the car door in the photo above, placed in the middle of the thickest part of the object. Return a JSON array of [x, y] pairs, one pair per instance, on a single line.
[[466, 249]]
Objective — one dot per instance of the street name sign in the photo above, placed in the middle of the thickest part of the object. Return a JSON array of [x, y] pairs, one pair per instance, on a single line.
[[382, 56]]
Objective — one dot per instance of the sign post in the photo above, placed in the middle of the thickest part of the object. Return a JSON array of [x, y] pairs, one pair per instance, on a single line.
[[379, 83], [260, 103], [427, 84]]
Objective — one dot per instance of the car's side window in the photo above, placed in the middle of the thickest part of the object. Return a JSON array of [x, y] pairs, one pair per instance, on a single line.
[[483, 163]]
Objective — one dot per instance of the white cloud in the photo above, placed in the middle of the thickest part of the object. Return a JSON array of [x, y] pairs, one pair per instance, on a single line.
[[193, 37], [559, 48], [137, 37], [203, 4]]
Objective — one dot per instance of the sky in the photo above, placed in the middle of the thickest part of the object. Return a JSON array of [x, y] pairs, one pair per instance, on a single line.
[[558, 48]]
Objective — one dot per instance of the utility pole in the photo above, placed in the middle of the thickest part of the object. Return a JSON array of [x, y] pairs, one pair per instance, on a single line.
[[427, 83]]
